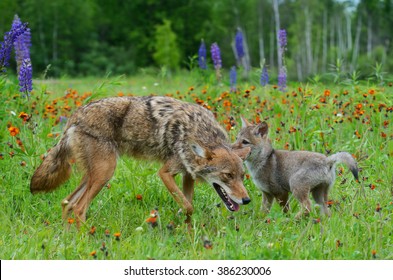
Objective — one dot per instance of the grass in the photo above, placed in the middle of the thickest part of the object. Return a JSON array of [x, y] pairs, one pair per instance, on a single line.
[[318, 117]]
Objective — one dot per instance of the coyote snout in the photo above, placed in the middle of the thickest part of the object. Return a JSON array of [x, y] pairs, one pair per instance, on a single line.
[[184, 137], [278, 172]]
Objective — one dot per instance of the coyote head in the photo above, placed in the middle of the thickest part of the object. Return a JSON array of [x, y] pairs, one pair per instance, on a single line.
[[223, 169]]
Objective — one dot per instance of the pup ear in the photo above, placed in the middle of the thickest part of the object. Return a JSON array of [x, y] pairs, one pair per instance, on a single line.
[[200, 151], [243, 153], [261, 129], [245, 123]]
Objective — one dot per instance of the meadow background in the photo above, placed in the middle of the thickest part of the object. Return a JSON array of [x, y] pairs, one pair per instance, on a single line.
[[327, 87]]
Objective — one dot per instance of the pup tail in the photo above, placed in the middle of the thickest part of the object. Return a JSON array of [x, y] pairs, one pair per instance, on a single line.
[[346, 158], [54, 170]]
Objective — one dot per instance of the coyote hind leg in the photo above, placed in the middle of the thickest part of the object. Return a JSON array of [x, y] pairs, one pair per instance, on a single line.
[[69, 202], [101, 171]]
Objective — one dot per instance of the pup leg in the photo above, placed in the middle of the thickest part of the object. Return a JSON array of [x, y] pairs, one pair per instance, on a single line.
[[267, 201], [168, 178], [283, 201], [301, 193], [320, 196]]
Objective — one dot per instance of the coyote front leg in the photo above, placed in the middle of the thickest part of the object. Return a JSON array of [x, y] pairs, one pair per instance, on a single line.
[[168, 178]]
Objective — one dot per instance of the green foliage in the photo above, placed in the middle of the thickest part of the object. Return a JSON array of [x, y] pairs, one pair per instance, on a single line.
[[94, 37], [166, 51]]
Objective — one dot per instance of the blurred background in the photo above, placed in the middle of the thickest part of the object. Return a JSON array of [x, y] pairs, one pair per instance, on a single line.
[[94, 37]]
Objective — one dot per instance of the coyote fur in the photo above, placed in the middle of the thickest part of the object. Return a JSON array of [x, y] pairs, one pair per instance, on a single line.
[[278, 172], [185, 137]]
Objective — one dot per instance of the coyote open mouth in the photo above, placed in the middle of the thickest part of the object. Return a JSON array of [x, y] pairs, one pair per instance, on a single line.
[[229, 203]]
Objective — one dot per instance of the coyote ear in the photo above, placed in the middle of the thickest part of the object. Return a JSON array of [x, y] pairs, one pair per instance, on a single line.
[[245, 123], [243, 153], [200, 151], [261, 129]]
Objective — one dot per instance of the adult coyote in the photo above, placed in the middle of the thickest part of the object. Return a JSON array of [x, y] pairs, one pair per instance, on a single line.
[[185, 137]]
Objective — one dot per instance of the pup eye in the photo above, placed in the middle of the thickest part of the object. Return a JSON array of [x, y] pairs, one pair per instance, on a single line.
[[245, 142]]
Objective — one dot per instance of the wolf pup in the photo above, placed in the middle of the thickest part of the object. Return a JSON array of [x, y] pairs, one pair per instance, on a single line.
[[278, 172], [185, 137]]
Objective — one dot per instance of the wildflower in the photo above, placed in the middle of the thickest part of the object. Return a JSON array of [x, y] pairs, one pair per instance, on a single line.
[[216, 56], [239, 44], [282, 79], [93, 254], [117, 236], [207, 243], [107, 233], [232, 78], [13, 130], [22, 43], [25, 76], [202, 56], [264, 76], [71, 221], [282, 40], [24, 116], [6, 45], [378, 208], [374, 254], [138, 197], [92, 230], [152, 220]]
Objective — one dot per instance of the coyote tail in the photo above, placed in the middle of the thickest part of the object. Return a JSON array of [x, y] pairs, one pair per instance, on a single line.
[[54, 170], [344, 157]]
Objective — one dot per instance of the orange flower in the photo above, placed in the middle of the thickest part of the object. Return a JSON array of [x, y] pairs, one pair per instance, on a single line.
[[93, 254], [138, 197], [92, 230], [326, 92], [13, 130], [71, 221], [117, 236], [371, 91], [120, 94], [24, 116]]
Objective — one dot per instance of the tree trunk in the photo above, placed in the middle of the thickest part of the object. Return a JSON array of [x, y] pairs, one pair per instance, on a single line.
[[325, 42], [369, 37], [260, 32], [355, 52], [308, 41], [277, 22]]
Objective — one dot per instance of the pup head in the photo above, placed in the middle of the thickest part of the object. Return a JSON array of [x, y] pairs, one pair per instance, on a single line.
[[252, 135], [223, 169]]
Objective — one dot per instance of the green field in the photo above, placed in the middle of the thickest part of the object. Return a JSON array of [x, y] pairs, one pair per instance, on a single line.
[[327, 118]]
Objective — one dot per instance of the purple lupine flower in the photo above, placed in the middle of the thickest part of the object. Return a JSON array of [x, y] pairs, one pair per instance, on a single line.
[[6, 45], [264, 76], [282, 79], [233, 78], [22, 44], [216, 56], [202, 56], [25, 76], [239, 44], [282, 39]]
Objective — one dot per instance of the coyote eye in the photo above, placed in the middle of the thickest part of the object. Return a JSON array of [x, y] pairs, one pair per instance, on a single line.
[[245, 142], [228, 176]]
